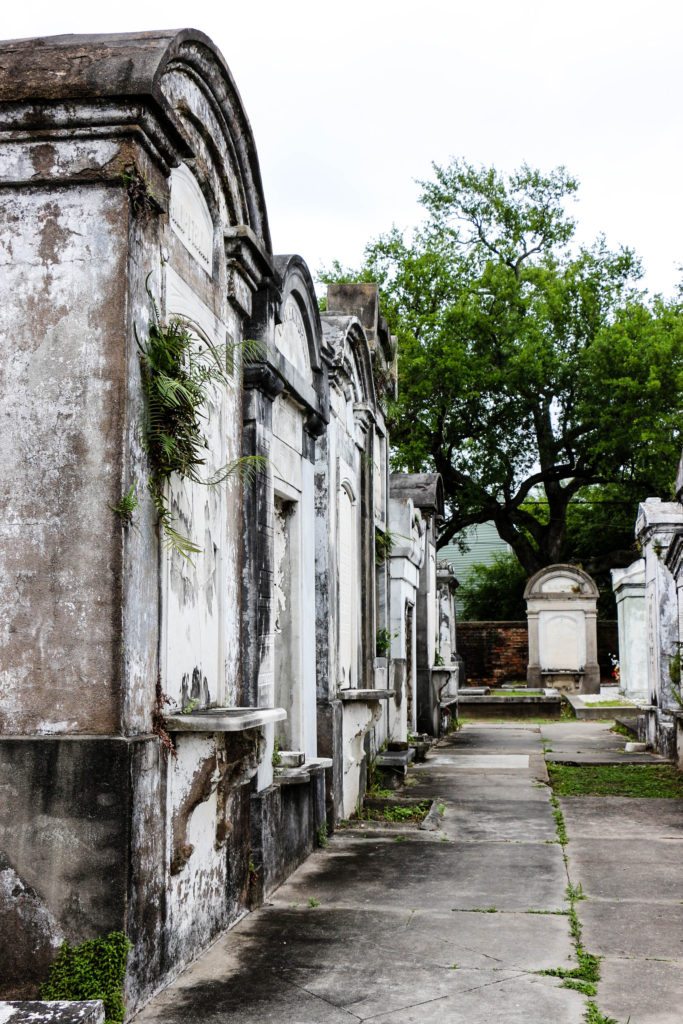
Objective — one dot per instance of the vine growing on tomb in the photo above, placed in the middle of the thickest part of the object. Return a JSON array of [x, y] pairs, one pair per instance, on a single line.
[[95, 969], [178, 375]]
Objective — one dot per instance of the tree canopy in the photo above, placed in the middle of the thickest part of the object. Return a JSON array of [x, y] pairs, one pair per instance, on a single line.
[[533, 371]]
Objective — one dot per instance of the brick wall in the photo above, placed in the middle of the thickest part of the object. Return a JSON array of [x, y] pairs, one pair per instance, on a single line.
[[498, 652]]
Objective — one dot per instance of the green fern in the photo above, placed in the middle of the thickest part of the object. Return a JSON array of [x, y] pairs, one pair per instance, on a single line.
[[126, 507], [178, 374]]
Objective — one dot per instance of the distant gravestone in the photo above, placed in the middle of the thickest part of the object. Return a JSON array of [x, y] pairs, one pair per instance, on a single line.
[[562, 615]]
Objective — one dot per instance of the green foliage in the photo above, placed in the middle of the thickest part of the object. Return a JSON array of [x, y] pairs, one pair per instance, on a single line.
[[93, 970], [384, 542], [313, 902], [494, 592], [623, 730], [178, 375], [594, 1016], [560, 824], [534, 373], [277, 756], [143, 201], [398, 813], [321, 836], [675, 677], [125, 508], [632, 780], [383, 639]]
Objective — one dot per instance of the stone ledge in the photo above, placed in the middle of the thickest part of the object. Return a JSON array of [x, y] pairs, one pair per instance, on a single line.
[[57, 1012], [300, 774], [224, 720], [366, 696]]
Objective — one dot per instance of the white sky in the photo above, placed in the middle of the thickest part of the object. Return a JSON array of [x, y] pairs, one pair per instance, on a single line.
[[351, 102]]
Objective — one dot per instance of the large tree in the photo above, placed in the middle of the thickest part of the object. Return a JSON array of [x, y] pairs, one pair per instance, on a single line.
[[531, 369]]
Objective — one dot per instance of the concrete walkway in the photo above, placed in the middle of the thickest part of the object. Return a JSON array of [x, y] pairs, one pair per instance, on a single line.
[[390, 924]]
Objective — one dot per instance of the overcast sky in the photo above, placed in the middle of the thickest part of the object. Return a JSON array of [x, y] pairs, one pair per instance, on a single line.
[[351, 102]]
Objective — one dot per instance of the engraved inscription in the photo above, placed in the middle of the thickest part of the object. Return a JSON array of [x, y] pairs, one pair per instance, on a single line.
[[190, 217], [291, 337]]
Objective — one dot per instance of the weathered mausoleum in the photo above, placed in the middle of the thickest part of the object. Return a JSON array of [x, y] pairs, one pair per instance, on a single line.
[[216, 607]]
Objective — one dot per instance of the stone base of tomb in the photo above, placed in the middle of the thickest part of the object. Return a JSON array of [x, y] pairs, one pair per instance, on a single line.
[[566, 681], [663, 731], [286, 823]]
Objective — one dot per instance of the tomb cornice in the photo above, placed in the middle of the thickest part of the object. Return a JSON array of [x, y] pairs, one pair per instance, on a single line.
[[657, 517], [674, 555], [55, 133], [43, 80], [261, 377]]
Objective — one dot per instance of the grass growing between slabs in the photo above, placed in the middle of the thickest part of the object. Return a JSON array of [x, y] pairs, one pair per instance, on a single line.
[[632, 780], [585, 976]]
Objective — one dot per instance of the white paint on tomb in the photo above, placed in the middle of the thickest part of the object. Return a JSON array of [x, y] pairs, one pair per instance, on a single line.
[[562, 613], [200, 625], [291, 337], [562, 641], [190, 217], [348, 582], [629, 591]]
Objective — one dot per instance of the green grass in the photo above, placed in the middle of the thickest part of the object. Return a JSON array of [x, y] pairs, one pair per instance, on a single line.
[[623, 730], [632, 780], [313, 902], [594, 1016], [609, 704], [398, 813]]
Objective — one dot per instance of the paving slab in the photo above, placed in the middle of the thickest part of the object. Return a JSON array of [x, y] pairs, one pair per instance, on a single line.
[[523, 1000], [582, 736], [618, 817], [473, 787], [653, 930], [642, 991], [500, 820], [509, 876], [500, 762], [485, 740], [628, 869]]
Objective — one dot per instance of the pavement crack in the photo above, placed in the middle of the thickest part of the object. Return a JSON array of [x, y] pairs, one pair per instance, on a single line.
[[316, 995]]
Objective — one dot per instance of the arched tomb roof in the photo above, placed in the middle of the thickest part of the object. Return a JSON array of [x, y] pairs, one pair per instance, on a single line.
[[73, 81], [567, 580], [350, 356], [424, 489]]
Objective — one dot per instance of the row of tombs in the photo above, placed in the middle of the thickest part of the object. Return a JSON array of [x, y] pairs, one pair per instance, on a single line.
[[177, 731], [649, 595]]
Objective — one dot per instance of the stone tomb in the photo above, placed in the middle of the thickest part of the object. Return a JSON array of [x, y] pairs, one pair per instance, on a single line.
[[562, 615], [130, 183], [629, 590], [352, 520], [657, 526]]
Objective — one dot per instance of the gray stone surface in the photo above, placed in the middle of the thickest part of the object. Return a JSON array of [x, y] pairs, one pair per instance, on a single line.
[[628, 869], [642, 991], [464, 875], [398, 934], [633, 929], [602, 817]]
